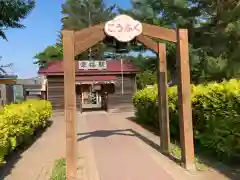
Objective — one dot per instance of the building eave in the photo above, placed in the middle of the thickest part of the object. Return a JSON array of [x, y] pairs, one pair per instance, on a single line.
[[90, 73]]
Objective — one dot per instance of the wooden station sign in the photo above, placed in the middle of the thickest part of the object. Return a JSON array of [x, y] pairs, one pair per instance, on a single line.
[[92, 65]]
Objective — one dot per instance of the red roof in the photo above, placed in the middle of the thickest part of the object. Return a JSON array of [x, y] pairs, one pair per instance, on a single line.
[[113, 67], [95, 78]]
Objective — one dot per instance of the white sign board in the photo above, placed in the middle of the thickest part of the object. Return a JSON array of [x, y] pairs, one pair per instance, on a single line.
[[97, 87], [123, 28], [96, 65]]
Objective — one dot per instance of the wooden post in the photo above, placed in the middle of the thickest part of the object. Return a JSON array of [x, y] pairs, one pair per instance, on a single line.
[[106, 101], [81, 98], [81, 106], [184, 98], [163, 113], [70, 104]]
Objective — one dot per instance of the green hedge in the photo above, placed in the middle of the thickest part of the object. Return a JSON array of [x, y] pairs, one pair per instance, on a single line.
[[216, 115], [18, 122]]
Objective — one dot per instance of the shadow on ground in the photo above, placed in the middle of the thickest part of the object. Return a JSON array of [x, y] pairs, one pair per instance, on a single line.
[[124, 132], [16, 155], [92, 109], [230, 171]]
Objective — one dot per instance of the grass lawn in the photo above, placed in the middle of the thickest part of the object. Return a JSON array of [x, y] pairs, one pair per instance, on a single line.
[[59, 170], [176, 152]]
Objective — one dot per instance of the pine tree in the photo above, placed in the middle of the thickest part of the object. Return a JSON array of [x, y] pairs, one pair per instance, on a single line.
[[84, 13], [12, 12], [213, 27], [79, 15]]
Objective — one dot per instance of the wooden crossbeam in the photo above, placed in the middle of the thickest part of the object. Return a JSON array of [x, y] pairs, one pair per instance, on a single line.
[[77, 42], [148, 42], [159, 32], [84, 33], [89, 41]]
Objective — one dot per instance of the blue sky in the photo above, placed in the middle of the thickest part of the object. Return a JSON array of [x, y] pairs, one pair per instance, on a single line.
[[41, 30]]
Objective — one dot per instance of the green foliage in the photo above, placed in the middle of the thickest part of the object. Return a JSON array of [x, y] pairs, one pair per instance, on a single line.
[[12, 12], [18, 122], [59, 170], [50, 53], [213, 27], [146, 78], [144, 62], [79, 15], [216, 115]]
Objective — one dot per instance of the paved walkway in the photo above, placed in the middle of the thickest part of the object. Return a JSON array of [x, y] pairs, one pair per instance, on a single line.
[[117, 154], [110, 148], [121, 150]]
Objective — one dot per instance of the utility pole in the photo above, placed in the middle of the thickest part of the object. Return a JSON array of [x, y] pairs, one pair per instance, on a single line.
[[122, 74], [89, 25]]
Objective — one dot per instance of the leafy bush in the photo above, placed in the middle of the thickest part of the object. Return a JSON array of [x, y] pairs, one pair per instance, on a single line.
[[216, 115], [18, 122], [146, 77]]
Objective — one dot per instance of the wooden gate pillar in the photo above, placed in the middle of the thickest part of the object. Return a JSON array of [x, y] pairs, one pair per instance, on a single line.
[[184, 99], [70, 104], [163, 113]]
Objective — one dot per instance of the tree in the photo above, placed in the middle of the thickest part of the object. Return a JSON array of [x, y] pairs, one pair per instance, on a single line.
[[78, 15], [51, 52], [146, 78], [84, 13], [12, 12], [213, 33], [3, 72]]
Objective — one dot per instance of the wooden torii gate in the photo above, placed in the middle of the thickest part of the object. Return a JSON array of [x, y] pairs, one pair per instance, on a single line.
[[76, 42]]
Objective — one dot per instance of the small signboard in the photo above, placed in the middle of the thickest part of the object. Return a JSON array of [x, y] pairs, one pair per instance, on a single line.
[[123, 28], [34, 93], [97, 87], [93, 65]]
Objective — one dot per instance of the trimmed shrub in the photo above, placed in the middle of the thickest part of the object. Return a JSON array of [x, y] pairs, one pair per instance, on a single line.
[[216, 115], [18, 122]]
